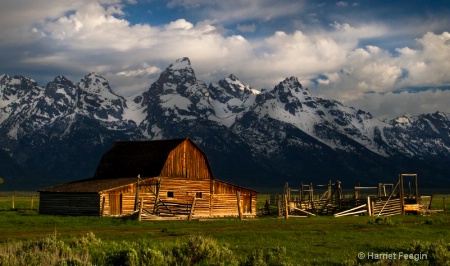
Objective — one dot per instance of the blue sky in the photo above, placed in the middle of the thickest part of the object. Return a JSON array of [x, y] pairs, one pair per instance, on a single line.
[[371, 55]]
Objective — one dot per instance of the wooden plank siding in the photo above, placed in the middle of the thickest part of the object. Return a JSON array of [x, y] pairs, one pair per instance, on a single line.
[[187, 161], [185, 190], [226, 205], [88, 204]]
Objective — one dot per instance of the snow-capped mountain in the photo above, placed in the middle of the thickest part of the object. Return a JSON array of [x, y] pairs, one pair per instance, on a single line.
[[252, 137], [176, 96], [230, 97], [327, 121], [60, 130]]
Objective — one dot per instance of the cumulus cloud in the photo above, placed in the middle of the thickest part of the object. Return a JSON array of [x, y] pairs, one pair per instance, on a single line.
[[390, 105], [370, 77], [95, 36]]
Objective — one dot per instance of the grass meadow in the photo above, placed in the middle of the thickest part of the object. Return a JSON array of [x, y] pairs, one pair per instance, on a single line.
[[264, 240]]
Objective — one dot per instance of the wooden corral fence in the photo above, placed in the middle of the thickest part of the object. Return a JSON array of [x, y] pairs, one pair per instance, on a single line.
[[381, 200], [307, 200], [19, 200]]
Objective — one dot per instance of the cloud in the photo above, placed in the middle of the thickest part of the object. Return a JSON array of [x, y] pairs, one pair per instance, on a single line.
[[246, 28], [96, 38], [190, 3], [370, 76], [90, 36], [389, 105], [145, 70], [342, 4], [240, 10]]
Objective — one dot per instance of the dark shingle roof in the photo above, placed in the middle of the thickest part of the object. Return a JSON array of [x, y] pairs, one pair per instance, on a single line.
[[91, 185], [132, 158]]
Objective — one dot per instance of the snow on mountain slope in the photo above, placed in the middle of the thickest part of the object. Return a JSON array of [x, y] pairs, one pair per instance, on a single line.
[[14, 89], [96, 98], [426, 135], [230, 97], [134, 110], [177, 95], [290, 103], [18, 100]]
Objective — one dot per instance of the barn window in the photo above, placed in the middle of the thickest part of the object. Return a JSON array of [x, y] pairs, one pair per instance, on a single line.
[[198, 195], [170, 194]]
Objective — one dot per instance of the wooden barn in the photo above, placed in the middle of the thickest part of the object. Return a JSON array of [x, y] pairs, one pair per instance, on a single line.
[[169, 178]]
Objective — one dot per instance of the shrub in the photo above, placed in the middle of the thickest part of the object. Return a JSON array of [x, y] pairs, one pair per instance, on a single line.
[[85, 241], [263, 257], [438, 253], [152, 257], [47, 251], [200, 250]]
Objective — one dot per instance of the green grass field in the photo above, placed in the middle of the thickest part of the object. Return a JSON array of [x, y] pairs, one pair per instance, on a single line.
[[308, 241]]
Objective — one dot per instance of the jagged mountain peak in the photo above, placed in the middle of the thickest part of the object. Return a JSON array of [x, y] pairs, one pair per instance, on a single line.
[[230, 97], [60, 85], [230, 85], [95, 84], [178, 74], [233, 80], [59, 98], [17, 80], [61, 79], [292, 86], [237, 86], [440, 116], [17, 87], [181, 64], [181, 68], [402, 121], [177, 95], [289, 94]]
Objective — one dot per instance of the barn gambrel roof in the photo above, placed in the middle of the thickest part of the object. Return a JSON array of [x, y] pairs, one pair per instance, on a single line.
[[133, 158]]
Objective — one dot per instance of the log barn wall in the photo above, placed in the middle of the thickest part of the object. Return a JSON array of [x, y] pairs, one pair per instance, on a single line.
[[224, 200], [69, 203], [121, 201], [183, 190]]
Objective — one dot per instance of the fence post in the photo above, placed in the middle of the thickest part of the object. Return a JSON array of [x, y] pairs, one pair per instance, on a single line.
[[141, 205], [369, 211], [31, 205], [286, 205], [13, 201], [191, 212], [443, 201], [103, 205], [431, 201], [238, 196]]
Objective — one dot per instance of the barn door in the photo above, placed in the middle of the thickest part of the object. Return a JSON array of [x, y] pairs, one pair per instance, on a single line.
[[247, 204], [115, 204]]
